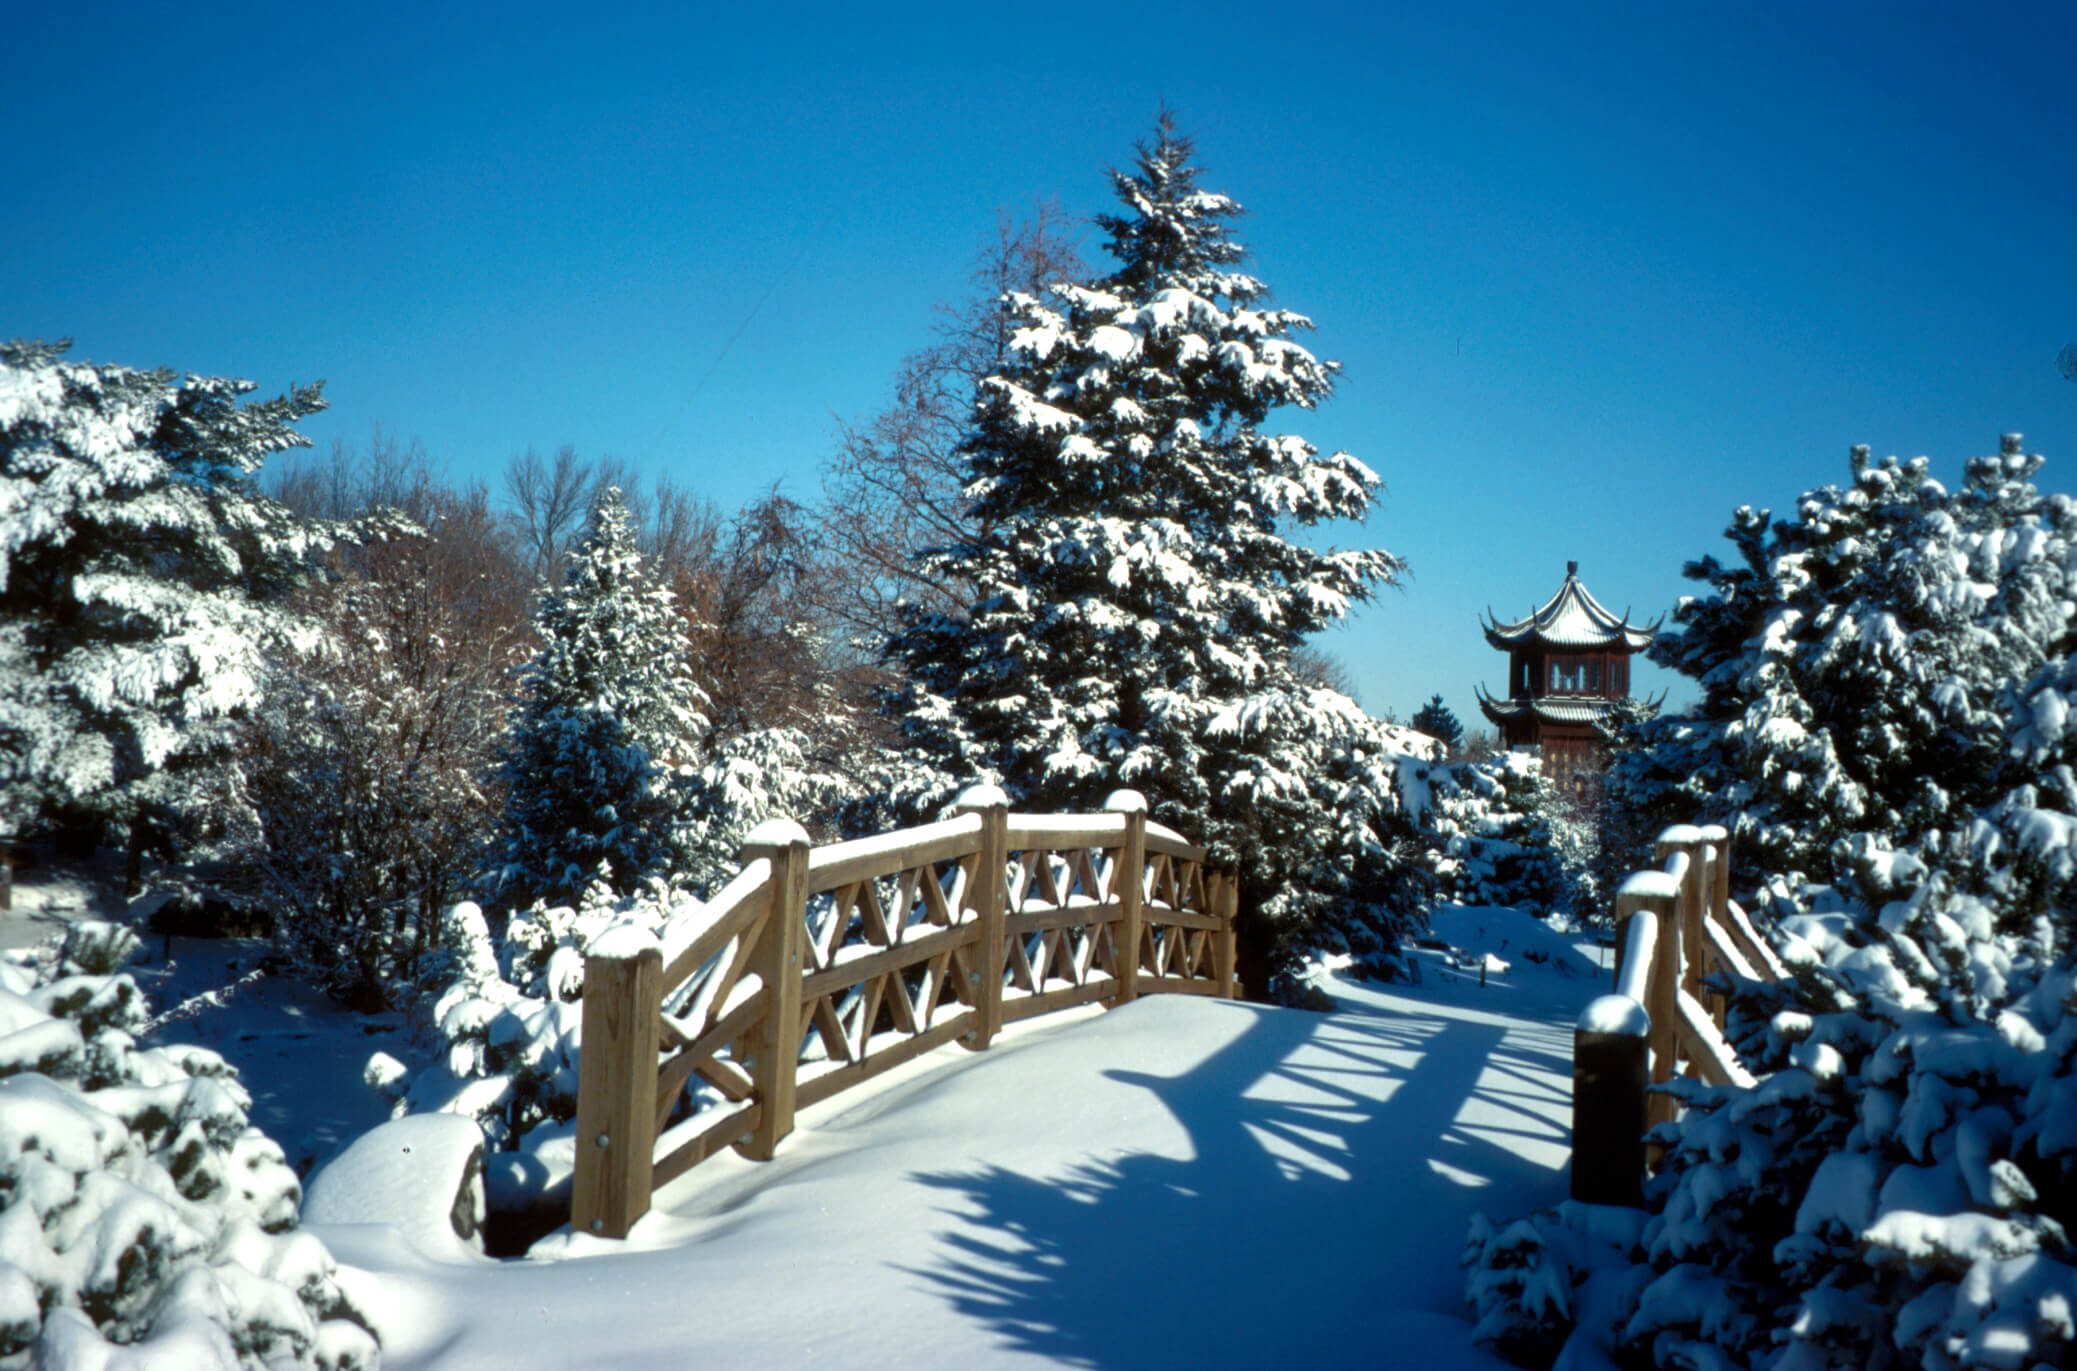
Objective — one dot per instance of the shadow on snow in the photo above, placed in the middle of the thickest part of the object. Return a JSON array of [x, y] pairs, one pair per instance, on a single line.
[[1308, 1214]]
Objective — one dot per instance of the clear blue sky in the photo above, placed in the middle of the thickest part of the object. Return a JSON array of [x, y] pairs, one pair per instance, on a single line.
[[1597, 275]]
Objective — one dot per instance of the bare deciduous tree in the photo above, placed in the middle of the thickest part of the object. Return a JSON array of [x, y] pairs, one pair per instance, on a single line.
[[548, 498], [367, 768], [894, 485]]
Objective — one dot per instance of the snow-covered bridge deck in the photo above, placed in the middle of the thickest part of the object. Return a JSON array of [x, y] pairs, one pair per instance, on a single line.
[[1178, 1181]]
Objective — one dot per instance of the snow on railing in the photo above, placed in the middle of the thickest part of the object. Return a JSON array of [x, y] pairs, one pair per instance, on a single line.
[[1677, 926], [816, 969]]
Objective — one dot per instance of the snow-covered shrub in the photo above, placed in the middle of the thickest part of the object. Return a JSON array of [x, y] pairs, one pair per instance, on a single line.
[[137, 1204], [1897, 1189], [508, 1013], [1490, 821], [1901, 1181], [1535, 1283], [507, 1021]]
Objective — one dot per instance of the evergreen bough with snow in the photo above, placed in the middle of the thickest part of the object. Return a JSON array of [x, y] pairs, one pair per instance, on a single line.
[[142, 579], [1856, 662], [594, 764], [1897, 1191], [1137, 599], [138, 1207]]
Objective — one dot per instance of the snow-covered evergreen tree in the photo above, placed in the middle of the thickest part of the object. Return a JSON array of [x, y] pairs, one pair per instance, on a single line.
[[611, 714], [1439, 722], [141, 583], [1854, 660], [1138, 601], [138, 1206], [1897, 1190]]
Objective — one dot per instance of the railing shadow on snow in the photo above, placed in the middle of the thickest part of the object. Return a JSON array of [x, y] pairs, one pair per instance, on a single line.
[[1314, 1143]]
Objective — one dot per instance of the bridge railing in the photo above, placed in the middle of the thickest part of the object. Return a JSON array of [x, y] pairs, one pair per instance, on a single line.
[[818, 968], [1676, 925]]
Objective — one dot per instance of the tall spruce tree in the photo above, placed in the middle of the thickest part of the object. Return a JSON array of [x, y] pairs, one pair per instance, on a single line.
[[610, 720], [1137, 599], [142, 584]]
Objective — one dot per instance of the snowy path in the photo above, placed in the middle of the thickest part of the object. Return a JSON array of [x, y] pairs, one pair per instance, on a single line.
[[1177, 1183]]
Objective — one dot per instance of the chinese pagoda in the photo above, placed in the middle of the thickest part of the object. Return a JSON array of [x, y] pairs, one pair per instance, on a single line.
[[1568, 664]]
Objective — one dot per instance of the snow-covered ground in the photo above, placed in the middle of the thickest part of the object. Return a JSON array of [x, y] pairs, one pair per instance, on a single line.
[[300, 1054], [1179, 1182]]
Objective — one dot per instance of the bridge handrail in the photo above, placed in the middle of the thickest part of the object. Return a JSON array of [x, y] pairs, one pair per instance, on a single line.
[[1677, 926], [942, 933]]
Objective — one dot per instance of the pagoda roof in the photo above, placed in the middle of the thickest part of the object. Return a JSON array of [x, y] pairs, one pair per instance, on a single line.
[[1572, 620], [1549, 709]]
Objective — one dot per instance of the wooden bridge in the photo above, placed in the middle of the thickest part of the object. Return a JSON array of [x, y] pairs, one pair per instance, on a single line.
[[817, 968], [1676, 926]]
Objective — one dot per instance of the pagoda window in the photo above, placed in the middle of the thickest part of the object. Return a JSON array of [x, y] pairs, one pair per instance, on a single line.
[[1574, 674]]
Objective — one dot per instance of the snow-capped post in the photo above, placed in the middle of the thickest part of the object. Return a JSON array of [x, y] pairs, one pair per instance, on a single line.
[[986, 896], [1652, 895], [1129, 889], [1610, 1066], [1694, 900], [616, 1085], [775, 1040]]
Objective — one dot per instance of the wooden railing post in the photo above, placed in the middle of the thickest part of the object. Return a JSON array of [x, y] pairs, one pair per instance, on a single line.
[[1610, 1069], [616, 1092], [1694, 895], [1719, 840], [1129, 888], [988, 899], [1222, 892], [1662, 981], [775, 1040]]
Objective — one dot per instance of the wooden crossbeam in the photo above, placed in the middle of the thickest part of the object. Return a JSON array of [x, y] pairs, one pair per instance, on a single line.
[[936, 909], [872, 916], [904, 903], [844, 901], [1048, 885]]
